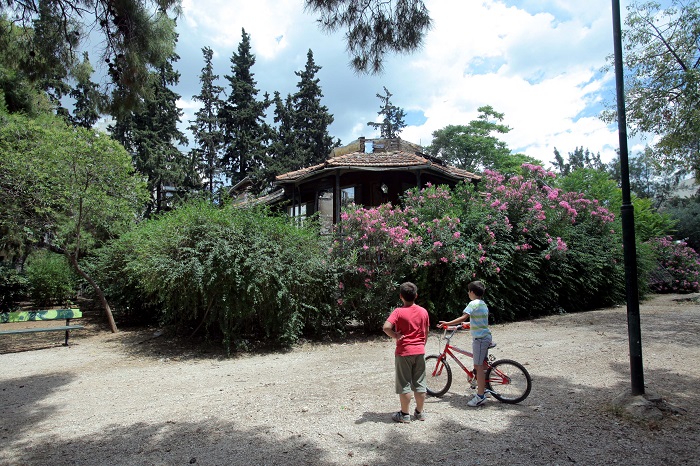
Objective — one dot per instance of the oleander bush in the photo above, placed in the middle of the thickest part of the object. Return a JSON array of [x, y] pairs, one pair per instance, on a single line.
[[677, 267], [538, 249], [239, 275]]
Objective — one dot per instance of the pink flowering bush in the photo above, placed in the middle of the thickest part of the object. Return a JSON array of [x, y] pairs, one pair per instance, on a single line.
[[537, 248], [678, 267]]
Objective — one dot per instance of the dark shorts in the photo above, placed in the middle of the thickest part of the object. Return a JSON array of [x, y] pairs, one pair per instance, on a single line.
[[410, 373]]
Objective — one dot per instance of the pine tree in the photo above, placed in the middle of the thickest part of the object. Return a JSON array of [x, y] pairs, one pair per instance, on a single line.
[[283, 154], [244, 130], [393, 121], [206, 126], [89, 100], [150, 133], [311, 119]]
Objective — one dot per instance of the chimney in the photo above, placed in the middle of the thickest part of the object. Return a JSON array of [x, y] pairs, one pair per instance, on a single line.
[[362, 144]]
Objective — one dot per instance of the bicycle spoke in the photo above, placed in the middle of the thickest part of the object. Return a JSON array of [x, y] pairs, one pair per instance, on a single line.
[[508, 381]]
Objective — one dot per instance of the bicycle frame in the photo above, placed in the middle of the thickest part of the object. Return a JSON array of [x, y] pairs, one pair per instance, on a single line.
[[448, 351]]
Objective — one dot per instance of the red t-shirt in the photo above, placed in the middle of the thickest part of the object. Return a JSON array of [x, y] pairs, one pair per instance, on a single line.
[[412, 322]]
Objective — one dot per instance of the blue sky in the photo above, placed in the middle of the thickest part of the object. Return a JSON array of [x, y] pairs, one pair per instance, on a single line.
[[537, 61]]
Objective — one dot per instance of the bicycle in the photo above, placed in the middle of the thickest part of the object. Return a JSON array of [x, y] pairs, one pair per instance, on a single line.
[[506, 380]]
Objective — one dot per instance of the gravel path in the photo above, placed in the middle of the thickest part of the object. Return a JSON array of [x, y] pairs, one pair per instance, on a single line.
[[135, 399]]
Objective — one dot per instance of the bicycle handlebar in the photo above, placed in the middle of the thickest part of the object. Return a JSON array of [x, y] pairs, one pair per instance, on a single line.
[[462, 326]]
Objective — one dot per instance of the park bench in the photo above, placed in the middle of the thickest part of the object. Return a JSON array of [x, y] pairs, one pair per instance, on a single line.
[[52, 314]]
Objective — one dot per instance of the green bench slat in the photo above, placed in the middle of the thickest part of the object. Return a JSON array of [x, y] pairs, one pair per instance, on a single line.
[[51, 314], [33, 330]]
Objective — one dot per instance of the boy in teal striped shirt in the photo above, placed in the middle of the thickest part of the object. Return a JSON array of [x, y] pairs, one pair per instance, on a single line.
[[478, 314]]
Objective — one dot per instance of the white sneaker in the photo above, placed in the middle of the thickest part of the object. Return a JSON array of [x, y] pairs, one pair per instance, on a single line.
[[476, 401]]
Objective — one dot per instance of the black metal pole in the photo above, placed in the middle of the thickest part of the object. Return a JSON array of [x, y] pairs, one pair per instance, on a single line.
[[627, 215]]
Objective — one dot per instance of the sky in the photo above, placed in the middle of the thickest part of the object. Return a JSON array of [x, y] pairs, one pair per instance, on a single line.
[[539, 62]]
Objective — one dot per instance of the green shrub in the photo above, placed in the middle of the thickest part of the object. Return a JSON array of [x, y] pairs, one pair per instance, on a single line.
[[51, 279], [13, 288], [242, 276]]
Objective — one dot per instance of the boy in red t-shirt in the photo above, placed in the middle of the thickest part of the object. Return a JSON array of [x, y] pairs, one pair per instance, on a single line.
[[409, 326]]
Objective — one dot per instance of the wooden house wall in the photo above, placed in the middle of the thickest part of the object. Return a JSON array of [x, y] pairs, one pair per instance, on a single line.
[[367, 186]]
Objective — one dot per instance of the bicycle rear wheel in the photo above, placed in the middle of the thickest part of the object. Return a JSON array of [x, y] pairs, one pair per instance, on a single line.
[[438, 375], [508, 381]]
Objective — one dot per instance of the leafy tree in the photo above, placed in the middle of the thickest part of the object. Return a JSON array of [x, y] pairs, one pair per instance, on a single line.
[[662, 58], [65, 189], [648, 178], [206, 127], [579, 158], [512, 164], [150, 133], [374, 27], [135, 35], [596, 184], [473, 147], [687, 213], [242, 117], [393, 121], [17, 92], [51, 57]]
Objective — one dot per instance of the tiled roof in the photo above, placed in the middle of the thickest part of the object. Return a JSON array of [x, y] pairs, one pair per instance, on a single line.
[[379, 160], [246, 201]]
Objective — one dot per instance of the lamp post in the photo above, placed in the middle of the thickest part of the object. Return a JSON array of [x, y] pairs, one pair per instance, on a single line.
[[627, 217]]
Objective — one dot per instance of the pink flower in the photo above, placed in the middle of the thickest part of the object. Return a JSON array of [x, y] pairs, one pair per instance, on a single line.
[[457, 234]]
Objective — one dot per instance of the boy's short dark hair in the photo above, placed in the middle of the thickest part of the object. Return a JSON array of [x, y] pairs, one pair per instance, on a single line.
[[408, 291], [477, 288]]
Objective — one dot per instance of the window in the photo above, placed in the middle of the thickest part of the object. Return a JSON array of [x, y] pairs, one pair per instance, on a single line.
[[347, 196], [298, 212]]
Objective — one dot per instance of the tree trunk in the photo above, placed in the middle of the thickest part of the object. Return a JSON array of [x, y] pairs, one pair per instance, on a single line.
[[98, 291]]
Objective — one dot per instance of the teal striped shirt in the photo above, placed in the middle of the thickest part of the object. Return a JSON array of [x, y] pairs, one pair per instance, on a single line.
[[478, 318]]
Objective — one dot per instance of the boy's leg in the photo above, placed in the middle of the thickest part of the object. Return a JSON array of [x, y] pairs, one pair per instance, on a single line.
[[480, 379], [403, 381], [420, 400], [405, 399], [480, 349], [419, 382]]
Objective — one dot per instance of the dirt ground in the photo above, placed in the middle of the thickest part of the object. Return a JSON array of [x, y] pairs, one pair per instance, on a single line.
[[136, 398]]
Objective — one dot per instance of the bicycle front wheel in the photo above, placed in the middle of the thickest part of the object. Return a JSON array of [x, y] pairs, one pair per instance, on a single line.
[[508, 381], [438, 375]]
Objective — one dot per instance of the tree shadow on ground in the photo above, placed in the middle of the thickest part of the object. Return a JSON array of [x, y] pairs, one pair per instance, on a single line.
[[20, 399], [552, 423]]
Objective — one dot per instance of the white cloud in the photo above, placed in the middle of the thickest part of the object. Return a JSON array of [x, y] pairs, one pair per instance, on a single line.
[[220, 22], [538, 62]]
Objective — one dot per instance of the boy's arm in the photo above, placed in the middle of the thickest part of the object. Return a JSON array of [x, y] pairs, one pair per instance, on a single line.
[[388, 328], [458, 320]]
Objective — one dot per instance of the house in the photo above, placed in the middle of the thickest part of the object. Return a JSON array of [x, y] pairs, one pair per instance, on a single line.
[[366, 172]]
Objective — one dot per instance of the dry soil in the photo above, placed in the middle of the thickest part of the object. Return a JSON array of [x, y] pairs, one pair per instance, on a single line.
[[141, 398]]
